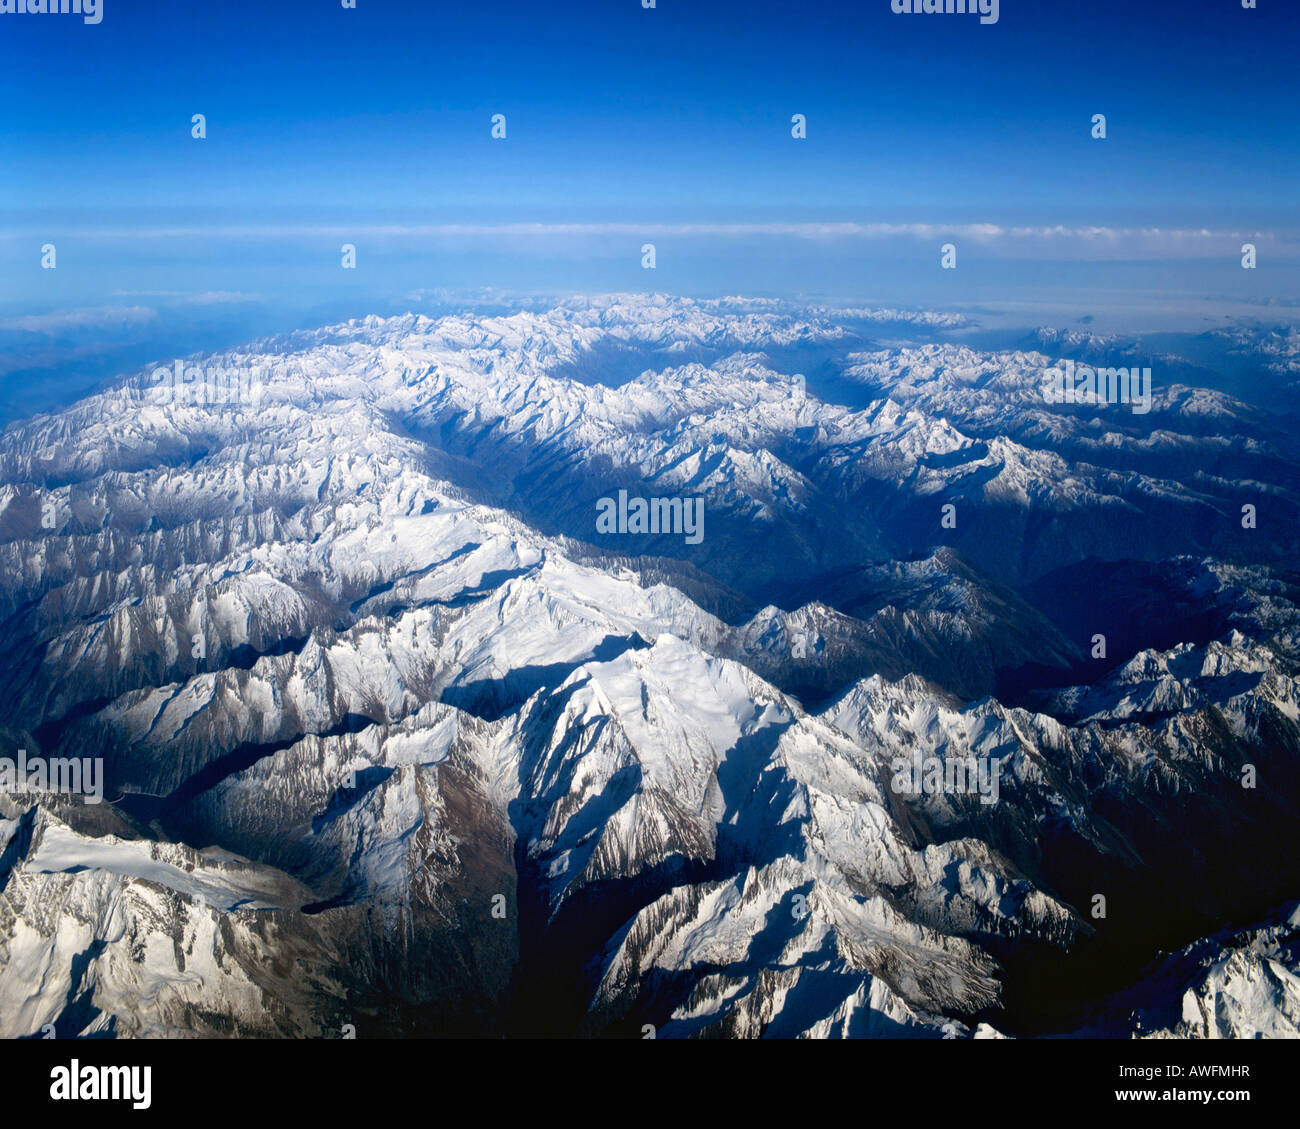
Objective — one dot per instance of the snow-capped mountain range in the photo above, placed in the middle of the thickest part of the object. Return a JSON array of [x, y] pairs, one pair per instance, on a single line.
[[395, 737]]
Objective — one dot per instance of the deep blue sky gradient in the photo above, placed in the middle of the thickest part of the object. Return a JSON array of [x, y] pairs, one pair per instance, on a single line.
[[324, 120]]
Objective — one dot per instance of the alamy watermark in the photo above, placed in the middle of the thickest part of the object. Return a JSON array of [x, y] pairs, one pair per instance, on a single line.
[[987, 10], [1081, 384], [75, 1082], [960, 776], [193, 384], [652, 515], [91, 11], [64, 776]]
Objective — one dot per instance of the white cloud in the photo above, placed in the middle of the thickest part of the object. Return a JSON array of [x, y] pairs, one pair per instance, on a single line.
[[1027, 241], [89, 317]]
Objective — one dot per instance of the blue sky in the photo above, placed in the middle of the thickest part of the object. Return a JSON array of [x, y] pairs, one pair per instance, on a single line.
[[329, 125]]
